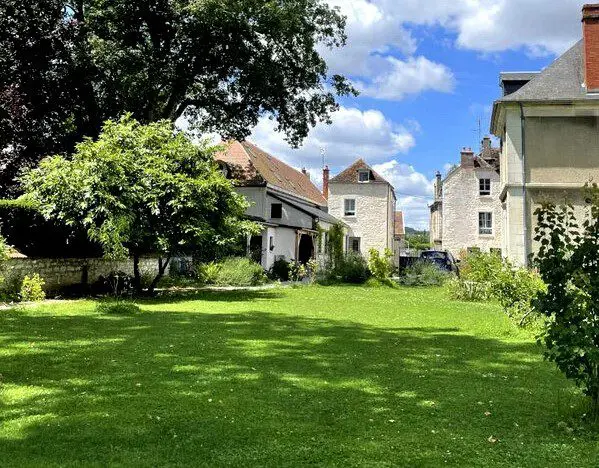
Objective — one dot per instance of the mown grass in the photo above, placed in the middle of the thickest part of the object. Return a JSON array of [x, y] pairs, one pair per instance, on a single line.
[[338, 376]]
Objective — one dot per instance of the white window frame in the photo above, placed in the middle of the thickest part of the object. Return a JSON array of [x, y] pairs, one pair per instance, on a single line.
[[350, 246], [485, 226], [346, 211], [362, 172], [482, 186]]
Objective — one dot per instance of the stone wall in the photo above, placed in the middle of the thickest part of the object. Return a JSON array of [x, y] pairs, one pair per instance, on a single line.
[[58, 273], [461, 205], [375, 211]]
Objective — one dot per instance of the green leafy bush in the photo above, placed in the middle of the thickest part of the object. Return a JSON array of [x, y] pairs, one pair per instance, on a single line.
[[207, 273], [297, 271], [239, 271], [32, 289], [486, 276], [279, 271], [516, 289], [380, 266], [423, 274], [461, 289], [117, 308], [481, 268], [567, 262], [352, 269]]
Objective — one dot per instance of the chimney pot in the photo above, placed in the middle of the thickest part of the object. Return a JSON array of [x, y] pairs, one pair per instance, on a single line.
[[590, 34]]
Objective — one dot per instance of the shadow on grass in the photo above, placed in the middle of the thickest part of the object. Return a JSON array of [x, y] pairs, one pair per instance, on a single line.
[[271, 390], [174, 296]]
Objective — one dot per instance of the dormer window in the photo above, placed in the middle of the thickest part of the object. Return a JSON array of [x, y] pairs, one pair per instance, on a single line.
[[363, 175]]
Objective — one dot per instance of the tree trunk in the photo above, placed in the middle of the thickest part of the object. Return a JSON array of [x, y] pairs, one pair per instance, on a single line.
[[162, 266], [136, 274]]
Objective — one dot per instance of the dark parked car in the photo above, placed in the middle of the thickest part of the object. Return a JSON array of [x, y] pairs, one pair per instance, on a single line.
[[442, 259]]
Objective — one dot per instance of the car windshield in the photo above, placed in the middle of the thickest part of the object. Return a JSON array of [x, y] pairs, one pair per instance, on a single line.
[[434, 255]]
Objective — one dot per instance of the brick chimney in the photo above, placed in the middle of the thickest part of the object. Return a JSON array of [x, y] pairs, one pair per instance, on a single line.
[[486, 143], [305, 172], [438, 185], [467, 157], [590, 34], [325, 182]]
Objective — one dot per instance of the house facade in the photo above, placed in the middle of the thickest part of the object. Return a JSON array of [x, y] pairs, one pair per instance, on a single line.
[[548, 123], [365, 202], [399, 238], [284, 201], [467, 214]]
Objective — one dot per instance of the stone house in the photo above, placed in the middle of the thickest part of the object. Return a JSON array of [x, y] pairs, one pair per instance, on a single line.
[[399, 238], [466, 214], [548, 123], [365, 202], [290, 208]]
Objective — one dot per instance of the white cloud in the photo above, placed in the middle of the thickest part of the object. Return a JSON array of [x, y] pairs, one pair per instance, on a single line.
[[414, 191], [371, 29], [405, 179], [411, 76], [416, 211], [540, 26], [352, 134]]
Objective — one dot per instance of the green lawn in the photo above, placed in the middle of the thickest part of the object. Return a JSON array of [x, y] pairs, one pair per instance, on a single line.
[[341, 376]]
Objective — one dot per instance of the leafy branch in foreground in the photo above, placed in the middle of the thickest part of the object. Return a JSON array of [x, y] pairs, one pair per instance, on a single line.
[[568, 261]]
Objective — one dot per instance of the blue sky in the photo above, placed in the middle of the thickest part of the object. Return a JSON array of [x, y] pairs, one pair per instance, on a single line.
[[427, 72]]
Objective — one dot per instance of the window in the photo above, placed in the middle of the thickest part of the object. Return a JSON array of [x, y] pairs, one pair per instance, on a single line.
[[495, 251], [484, 186], [485, 223], [354, 244], [276, 210], [350, 207], [473, 250], [363, 176]]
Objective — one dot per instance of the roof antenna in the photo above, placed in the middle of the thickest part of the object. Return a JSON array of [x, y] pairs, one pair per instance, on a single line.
[[479, 130], [322, 155]]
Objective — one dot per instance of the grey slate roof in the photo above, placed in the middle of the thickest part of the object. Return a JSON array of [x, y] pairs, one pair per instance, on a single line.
[[308, 209], [560, 81], [518, 76]]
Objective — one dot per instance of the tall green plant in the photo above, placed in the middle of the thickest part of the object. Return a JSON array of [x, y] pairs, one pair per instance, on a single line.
[[568, 261], [380, 264], [335, 241], [141, 189]]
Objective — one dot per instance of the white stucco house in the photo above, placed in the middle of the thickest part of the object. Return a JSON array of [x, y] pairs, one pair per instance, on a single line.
[[548, 123], [467, 213], [284, 201], [365, 202]]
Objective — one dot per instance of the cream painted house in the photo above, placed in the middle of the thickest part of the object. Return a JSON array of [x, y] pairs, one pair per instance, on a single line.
[[548, 124], [290, 208], [467, 214], [365, 202]]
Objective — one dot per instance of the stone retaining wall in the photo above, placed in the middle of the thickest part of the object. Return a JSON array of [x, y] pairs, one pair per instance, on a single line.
[[60, 272]]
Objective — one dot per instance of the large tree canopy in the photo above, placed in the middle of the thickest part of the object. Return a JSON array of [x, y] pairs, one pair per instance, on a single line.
[[70, 65], [141, 189]]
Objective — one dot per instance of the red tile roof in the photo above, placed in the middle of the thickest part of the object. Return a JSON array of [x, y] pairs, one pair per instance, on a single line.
[[399, 226], [250, 165], [350, 175]]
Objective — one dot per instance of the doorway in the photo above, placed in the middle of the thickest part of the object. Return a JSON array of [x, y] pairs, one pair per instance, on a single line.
[[305, 251]]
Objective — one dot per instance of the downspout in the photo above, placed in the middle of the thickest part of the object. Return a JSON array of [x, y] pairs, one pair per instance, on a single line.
[[526, 220]]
